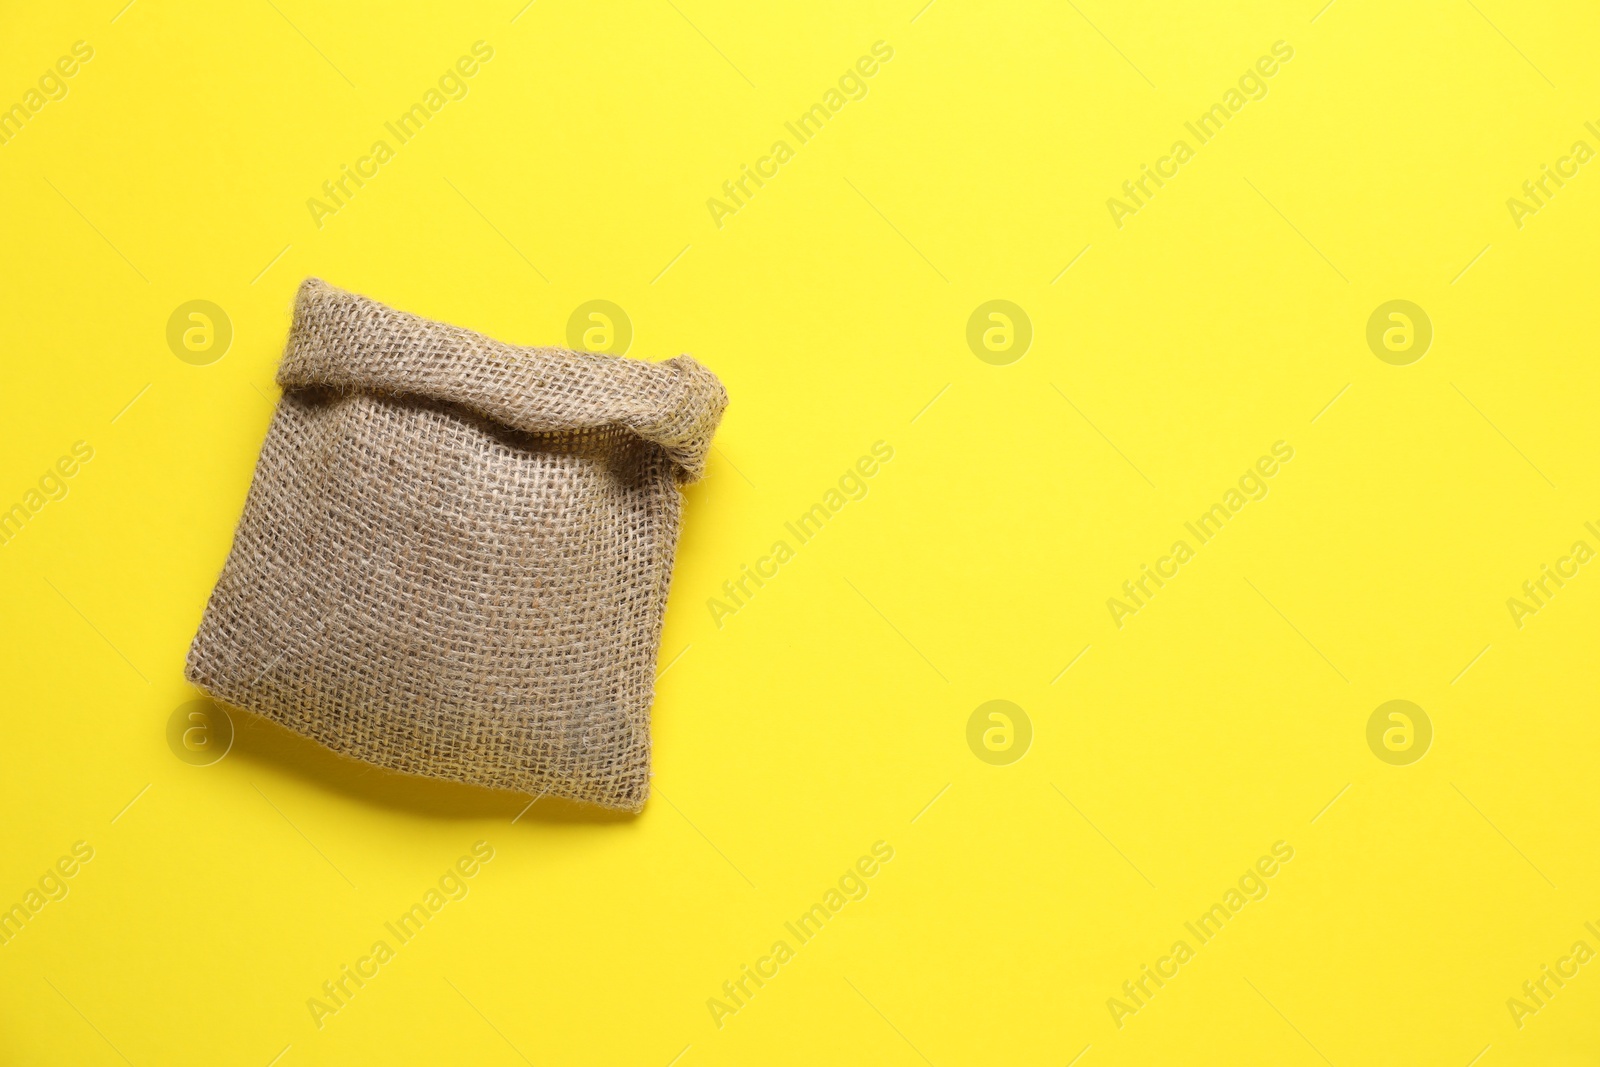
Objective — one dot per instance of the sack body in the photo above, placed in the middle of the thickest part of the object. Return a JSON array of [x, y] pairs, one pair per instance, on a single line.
[[454, 557]]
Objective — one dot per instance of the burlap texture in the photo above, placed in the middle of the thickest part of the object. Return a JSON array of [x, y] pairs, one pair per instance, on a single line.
[[454, 557]]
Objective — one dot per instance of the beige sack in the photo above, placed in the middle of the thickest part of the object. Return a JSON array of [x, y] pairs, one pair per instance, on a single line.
[[455, 554]]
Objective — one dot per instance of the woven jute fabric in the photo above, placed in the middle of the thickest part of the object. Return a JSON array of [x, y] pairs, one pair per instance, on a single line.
[[455, 554]]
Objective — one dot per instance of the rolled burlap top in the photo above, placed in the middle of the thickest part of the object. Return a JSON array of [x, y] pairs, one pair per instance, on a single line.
[[454, 558]]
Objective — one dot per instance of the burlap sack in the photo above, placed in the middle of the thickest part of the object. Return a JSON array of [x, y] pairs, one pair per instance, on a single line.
[[454, 557]]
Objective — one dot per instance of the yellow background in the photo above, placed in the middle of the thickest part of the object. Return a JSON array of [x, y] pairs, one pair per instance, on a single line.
[[827, 713]]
